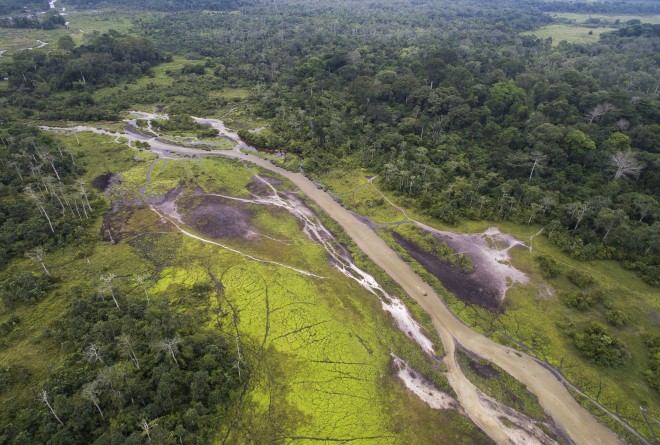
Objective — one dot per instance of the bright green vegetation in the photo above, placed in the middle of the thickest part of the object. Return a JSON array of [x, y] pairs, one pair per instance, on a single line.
[[495, 382], [313, 354], [607, 18], [569, 33]]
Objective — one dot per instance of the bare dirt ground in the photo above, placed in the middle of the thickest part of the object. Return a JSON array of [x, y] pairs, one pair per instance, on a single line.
[[489, 252], [102, 182], [216, 217]]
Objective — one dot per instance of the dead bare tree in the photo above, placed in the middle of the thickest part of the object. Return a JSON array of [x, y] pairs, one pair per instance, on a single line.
[[141, 280], [537, 159], [49, 159], [578, 209], [146, 428], [626, 164], [38, 254], [107, 282], [18, 171], [81, 183], [49, 183], [91, 392], [600, 111], [170, 345], [44, 398], [92, 353], [32, 196], [124, 341], [621, 125]]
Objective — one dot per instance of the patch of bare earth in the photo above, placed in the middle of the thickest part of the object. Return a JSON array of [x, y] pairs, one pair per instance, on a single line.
[[492, 275], [423, 388]]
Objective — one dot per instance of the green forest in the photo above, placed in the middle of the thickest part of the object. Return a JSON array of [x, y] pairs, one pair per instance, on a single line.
[[412, 114]]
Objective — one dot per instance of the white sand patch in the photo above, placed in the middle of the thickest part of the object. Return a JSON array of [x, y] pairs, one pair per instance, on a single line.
[[489, 252], [422, 388], [519, 428]]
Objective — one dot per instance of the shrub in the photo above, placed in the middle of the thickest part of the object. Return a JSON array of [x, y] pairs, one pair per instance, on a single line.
[[550, 268], [580, 279], [601, 347], [652, 374], [617, 318], [582, 300]]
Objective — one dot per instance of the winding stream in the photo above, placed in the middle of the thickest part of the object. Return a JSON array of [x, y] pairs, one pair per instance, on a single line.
[[578, 424]]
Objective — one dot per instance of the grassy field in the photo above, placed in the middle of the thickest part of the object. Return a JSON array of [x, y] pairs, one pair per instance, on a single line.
[[609, 18], [316, 351], [569, 33], [80, 23], [535, 318]]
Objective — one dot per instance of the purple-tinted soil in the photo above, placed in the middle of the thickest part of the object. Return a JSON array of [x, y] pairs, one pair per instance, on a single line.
[[217, 217], [483, 370], [101, 182], [462, 284]]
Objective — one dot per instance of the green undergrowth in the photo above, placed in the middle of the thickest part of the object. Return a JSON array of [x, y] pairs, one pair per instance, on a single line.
[[356, 192], [537, 320], [500, 385], [430, 244], [314, 353]]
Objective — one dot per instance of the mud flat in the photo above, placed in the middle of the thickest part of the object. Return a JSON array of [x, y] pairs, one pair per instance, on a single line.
[[467, 286]]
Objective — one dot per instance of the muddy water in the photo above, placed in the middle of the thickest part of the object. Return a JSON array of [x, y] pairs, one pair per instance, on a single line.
[[580, 426]]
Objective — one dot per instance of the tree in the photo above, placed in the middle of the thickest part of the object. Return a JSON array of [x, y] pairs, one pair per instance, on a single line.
[[600, 111], [626, 164], [38, 254], [608, 219], [66, 43], [170, 345], [107, 286], [44, 398], [599, 346]]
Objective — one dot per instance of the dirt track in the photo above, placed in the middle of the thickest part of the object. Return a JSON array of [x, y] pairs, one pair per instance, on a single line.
[[578, 423]]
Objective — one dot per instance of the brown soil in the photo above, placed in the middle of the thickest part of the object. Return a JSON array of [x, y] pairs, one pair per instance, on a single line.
[[463, 285]]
